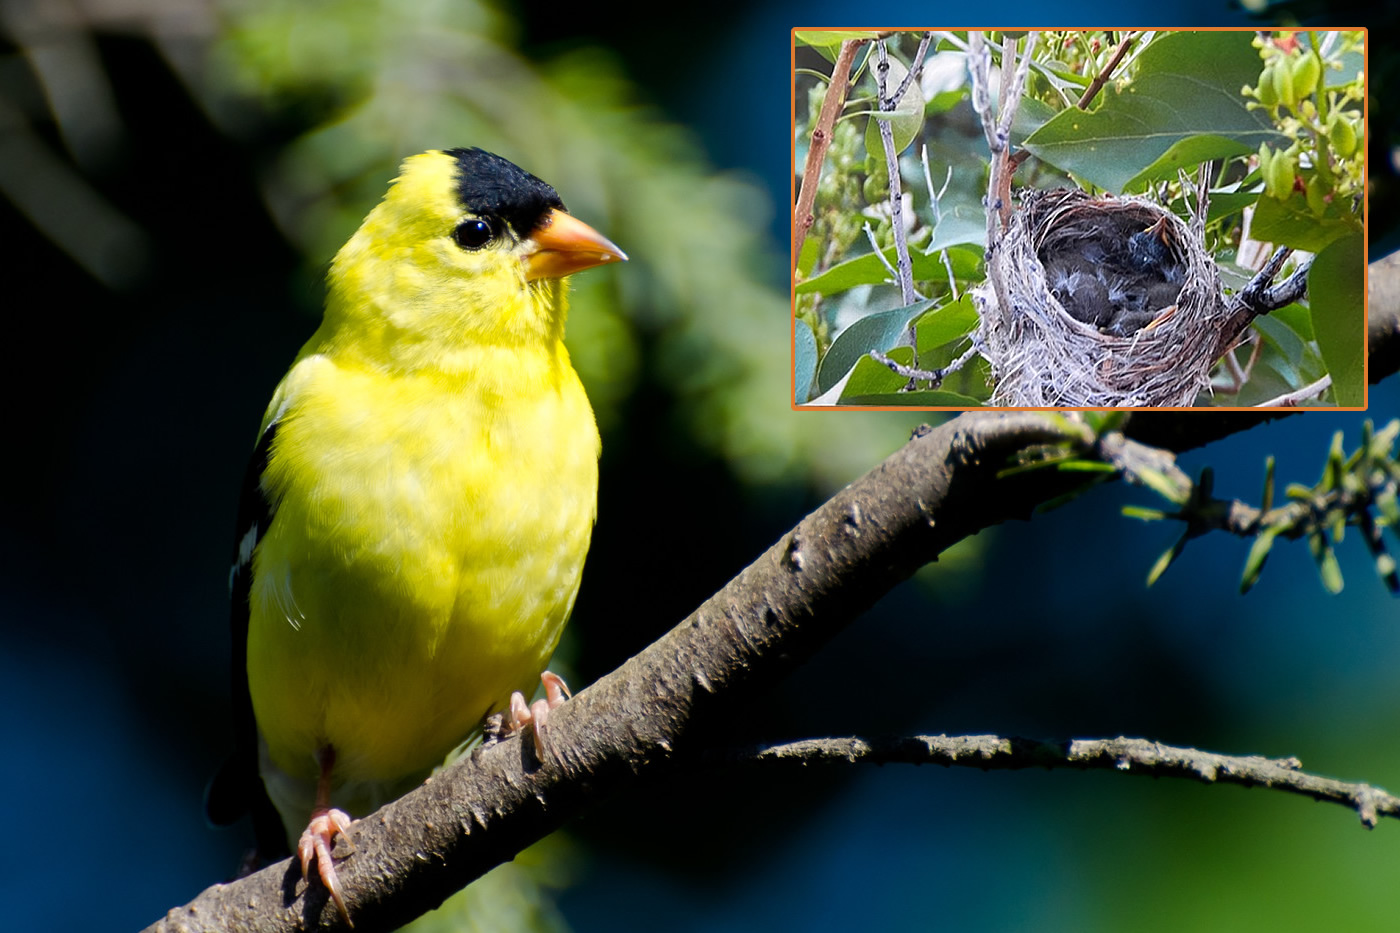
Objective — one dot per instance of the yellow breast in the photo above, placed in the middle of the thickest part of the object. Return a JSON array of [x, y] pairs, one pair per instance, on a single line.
[[425, 551]]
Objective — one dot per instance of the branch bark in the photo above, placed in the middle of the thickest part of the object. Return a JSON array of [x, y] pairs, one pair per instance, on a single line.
[[1137, 756], [835, 99], [940, 488]]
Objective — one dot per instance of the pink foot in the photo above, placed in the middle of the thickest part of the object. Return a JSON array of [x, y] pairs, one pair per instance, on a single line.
[[523, 714], [315, 845]]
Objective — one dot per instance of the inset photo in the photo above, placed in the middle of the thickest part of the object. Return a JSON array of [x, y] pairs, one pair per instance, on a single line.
[[1079, 218]]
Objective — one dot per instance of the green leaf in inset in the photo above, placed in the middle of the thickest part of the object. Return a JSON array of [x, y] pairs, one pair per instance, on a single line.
[[868, 270], [873, 383], [1282, 348], [1292, 223], [870, 377], [920, 398], [1183, 106], [878, 331], [907, 118], [807, 259], [1030, 116], [959, 226], [1296, 318], [944, 79], [804, 360], [830, 38], [1335, 291], [946, 324]]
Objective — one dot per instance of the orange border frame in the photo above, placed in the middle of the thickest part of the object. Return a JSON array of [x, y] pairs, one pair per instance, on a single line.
[[792, 201]]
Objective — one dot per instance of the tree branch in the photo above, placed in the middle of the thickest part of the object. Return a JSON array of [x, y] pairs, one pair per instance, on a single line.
[[835, 99], [1383, 317], [941, 487], [1137, 756]]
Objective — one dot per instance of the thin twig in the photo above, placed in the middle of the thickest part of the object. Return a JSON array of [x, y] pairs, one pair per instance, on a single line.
[[934, 377], [914, 72], [904, 267], [1123, 755], [835, 99], [928, 183], [952, 280], [1291, 399], [879, 254], [1102, 77], [979, 70]]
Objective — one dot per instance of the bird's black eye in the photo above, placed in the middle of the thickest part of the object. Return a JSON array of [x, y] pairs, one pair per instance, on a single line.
[[473, 234]]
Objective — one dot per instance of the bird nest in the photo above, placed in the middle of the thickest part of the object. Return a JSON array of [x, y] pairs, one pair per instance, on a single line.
[[1100, 302]]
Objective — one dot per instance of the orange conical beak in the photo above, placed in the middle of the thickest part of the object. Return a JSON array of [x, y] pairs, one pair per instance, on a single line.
[[564, 245]]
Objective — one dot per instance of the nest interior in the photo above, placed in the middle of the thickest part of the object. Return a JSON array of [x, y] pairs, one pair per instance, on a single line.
[[1099, 302]]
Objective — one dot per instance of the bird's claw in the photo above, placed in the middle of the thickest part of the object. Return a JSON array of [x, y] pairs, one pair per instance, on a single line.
[[315, 846], [535, 714]]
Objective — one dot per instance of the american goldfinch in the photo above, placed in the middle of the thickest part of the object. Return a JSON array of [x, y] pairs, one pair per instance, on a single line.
[[419, 504]]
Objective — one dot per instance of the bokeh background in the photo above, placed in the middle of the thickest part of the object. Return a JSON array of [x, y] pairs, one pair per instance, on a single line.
[[176, 174]]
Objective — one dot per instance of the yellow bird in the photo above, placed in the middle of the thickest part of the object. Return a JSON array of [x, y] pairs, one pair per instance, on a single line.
[[419, 504]]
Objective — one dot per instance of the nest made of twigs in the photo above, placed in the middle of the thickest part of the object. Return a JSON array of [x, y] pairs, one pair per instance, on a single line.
[[1041, 355]]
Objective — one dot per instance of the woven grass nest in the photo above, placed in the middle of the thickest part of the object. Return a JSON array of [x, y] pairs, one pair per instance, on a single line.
[[1046, 347]]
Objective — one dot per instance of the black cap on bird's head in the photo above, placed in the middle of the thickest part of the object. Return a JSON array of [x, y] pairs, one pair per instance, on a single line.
[[490, 186], [496, 190]]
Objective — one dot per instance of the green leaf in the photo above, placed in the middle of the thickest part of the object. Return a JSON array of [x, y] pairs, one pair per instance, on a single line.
[[945, 79], [1287, 347], [830, 38], [1086, 466], [1165, 561], [959, 226], [1254, 563], [1327, 567], [1105, 421], [1144, 514], [868, 270], [804, 361], [907, 118], [922, 398], [1030, 117], [943, 325], [1183, 107], [869, 377], [807, 259], [1163, 485], [878, 331], [1389, 505], [1292, 223], [1336, 293], [1265, 382], [1223, 204], [873, 383], [1297, 318], [1267, 501]]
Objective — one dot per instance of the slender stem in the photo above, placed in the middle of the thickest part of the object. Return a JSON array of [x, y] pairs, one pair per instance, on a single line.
[[1120, 755], [1290, 399], [1102, 77], [904, 267], [835, 99]]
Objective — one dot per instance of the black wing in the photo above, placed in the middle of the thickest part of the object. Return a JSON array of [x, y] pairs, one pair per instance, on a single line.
[[238, 788]]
